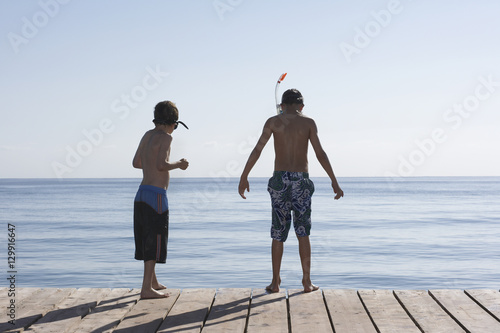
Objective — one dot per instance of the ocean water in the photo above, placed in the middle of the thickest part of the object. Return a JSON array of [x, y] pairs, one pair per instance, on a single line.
[[417, 233]]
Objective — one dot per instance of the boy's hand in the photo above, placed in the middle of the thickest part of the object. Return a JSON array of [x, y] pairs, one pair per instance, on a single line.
[[183, 164], [338, 191], [244, 185]]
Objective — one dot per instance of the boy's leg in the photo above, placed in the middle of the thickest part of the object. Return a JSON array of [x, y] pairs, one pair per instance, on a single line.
[[305, 260], [147, 282], [280, 190], [276, 255], [155, 284]]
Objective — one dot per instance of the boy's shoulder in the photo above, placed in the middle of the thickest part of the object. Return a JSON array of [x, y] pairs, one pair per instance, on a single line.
[[307, 118], [282, 119], [157, 136], [309, 121], [284, 116], [165, 137]]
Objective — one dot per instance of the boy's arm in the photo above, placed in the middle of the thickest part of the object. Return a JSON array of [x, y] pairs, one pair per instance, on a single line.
[[162, 163], [323, 160], [252, 159]]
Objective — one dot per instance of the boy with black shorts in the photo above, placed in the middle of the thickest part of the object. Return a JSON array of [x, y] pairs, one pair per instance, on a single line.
[[151, 203], [290, 187]]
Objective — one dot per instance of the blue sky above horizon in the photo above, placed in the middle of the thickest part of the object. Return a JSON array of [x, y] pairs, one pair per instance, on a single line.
[[397, 88]]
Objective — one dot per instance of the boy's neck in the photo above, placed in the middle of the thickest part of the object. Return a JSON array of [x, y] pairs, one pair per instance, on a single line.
[[164, 128], [292, 109]]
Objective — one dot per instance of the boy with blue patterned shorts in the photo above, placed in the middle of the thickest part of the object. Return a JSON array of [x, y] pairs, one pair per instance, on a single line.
[[290, 187]]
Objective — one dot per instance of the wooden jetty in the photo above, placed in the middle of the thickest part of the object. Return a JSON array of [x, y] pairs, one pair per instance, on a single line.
[[252, 310]]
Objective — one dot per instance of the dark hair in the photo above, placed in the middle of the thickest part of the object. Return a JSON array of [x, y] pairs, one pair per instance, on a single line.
[[166, 113], [292, 96]]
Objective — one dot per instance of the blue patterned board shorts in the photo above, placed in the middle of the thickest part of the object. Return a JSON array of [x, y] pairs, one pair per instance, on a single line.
[[290, 192], [151, 224]]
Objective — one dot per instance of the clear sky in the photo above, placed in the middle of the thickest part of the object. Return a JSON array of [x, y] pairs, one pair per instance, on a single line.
[[397, 88]]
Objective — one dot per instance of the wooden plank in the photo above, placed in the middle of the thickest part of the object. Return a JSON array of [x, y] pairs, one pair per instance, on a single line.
[[20, 295], [268, 312], [430, 317], [34, 308], [70, 311], [386, 312], [347, 312], [17, 295], [62, 309], [110, 311], [308, 311], [465, 311], [229, 311], [488, 299], [5, 302], [189, 311], [148, 314]]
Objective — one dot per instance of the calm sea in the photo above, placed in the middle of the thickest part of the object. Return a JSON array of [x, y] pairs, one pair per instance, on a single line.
[[418, 233]]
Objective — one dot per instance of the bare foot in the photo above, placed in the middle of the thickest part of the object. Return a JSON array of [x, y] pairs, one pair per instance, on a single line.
[[308, 287], [150, 294], [274, 287], [159, 286]]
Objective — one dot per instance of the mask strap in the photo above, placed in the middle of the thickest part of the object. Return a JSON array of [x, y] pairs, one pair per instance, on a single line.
[[180, 122]]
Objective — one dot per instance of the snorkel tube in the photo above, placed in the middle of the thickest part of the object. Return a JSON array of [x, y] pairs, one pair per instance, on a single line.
[[278, 105]]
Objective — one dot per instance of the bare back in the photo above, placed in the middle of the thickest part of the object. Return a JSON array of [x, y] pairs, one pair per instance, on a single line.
[[291, 139], [153, 150]]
